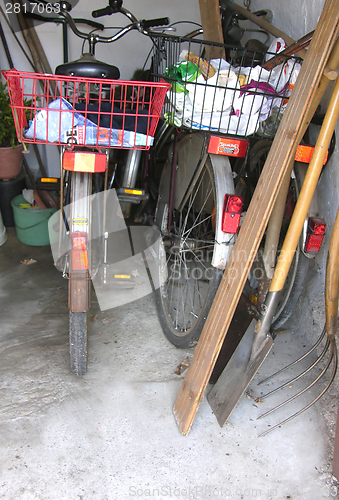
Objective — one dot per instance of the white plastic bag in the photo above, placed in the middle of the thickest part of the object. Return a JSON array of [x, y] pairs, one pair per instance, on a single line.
[[217, 93]]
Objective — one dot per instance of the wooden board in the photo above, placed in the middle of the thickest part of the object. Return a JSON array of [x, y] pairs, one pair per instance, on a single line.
[[211, 25], [250, 235]]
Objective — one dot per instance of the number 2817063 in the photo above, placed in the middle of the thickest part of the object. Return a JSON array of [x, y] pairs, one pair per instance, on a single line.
[[33, 7]]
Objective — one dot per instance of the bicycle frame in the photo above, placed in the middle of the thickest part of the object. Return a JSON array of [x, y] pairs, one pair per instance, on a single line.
[[86, 115]]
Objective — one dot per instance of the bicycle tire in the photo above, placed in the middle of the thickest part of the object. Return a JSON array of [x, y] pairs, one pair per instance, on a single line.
[[78, 342], [185, 298], [79, 282]]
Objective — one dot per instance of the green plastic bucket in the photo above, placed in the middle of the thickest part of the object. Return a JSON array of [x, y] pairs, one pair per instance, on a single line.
[[31, 224]]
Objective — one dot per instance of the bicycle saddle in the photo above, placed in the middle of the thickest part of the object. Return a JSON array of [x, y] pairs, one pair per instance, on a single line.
[[88, 67]]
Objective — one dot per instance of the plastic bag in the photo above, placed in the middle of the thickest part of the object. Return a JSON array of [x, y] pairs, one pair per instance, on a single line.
[[54, 121], [179, 74]]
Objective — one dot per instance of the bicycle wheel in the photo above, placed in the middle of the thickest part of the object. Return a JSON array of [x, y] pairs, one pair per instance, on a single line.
[[79, 277], [78, 341], [294, 283], [184, 299]]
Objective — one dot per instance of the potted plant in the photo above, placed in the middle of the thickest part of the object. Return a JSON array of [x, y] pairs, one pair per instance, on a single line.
[[10, 149]]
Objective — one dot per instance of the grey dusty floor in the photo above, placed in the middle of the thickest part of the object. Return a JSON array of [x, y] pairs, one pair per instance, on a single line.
[[111, 434]]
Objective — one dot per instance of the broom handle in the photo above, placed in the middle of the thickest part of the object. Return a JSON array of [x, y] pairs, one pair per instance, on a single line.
[[306, 193], [332, 281]]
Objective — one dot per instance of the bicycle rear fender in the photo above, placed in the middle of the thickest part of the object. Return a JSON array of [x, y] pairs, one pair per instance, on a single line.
[[191, 157]]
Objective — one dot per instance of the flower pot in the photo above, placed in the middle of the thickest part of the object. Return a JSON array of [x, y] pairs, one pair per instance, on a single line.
[[10, 162]]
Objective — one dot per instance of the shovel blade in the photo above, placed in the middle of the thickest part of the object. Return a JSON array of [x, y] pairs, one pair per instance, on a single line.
[[237, 374]]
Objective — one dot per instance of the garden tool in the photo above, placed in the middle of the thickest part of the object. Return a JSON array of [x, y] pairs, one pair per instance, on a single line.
[[258, 339], [329, 331]]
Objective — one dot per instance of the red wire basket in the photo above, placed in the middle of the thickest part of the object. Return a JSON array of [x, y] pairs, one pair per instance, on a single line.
[[89, 112]]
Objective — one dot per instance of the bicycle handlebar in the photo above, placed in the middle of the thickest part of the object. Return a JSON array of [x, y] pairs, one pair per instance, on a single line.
[[151, 23], [107, 11], [141, 26]]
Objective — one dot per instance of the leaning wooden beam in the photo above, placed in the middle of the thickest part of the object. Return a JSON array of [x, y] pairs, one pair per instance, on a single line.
[[259, 211], [211, 25]]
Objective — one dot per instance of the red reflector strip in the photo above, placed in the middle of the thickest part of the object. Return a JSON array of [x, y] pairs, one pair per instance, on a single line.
[[313, 243], [231, 213], [79, 260], [227, 146], [79, 251], [304, 154], [315, 234], [84, 161], [79, 241]]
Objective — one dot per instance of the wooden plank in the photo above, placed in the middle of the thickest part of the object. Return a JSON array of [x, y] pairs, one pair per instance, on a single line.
[[211, 25], [250, 235]]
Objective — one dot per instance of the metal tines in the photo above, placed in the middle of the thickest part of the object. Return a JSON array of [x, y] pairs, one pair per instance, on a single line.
[[328, 354], [329, 333]]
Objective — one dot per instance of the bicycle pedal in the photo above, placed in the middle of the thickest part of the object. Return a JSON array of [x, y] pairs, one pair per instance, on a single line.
[[130, 195], [120, 280], [48, 183]]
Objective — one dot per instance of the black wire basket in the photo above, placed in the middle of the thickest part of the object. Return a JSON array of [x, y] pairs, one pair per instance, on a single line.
[[223, 89]]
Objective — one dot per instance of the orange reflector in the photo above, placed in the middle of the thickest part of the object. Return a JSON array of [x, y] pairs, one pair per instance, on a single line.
[[79, 251], [227, 146], [79, 241], [254, 299], [133, 191], [231, 213], [84, 161], [49, 179], [304, 154]]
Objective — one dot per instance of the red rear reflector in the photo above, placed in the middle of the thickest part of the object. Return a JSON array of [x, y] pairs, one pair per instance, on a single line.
[[231, 213], [227, 146], [315, 234], [84, 161], [79, 251], [304, 154], [318, 226]]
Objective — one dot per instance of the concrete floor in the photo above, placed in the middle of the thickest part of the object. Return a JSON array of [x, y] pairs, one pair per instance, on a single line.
[[111, 434]]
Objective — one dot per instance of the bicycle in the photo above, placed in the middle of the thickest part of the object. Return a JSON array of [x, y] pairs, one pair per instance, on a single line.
[[87, 111], [217, 136]]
